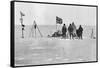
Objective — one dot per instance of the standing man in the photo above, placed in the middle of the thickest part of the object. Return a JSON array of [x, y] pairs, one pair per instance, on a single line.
[[64, 30], [80, 32], [74, 29], [70, 30]]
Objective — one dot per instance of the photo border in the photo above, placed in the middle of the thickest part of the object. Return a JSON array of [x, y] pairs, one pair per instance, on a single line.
[[12, 42]]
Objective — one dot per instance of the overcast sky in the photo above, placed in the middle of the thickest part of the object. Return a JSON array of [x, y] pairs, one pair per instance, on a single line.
[[45, 14]]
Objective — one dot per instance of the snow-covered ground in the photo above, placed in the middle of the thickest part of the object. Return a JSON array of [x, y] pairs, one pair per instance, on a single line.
[[36, 51]]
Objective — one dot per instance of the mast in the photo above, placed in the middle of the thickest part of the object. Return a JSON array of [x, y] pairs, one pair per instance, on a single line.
[[22, 25], [36, 26]]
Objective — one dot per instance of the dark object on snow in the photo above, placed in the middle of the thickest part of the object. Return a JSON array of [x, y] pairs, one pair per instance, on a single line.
[[56, 34], [79, 32], [64, 30], [35, 26], [70, 30]]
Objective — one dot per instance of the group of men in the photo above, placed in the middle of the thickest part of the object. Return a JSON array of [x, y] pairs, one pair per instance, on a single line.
[[72, 31]]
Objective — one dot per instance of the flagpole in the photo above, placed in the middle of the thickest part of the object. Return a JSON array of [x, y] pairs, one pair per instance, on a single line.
[[22, 26], [56, 23], [92, 34], [56, 26], [21, 19], [22, 34]]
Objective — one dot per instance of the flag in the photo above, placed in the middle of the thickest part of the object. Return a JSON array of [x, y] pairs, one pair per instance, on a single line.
[[22, 14], [59, 20]]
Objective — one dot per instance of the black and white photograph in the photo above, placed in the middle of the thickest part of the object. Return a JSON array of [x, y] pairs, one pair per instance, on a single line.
[[46, 33]]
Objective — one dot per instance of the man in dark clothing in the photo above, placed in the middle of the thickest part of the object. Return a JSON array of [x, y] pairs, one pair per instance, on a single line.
[[64, 30], [80, 32], [77, 32], [70, 30]]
